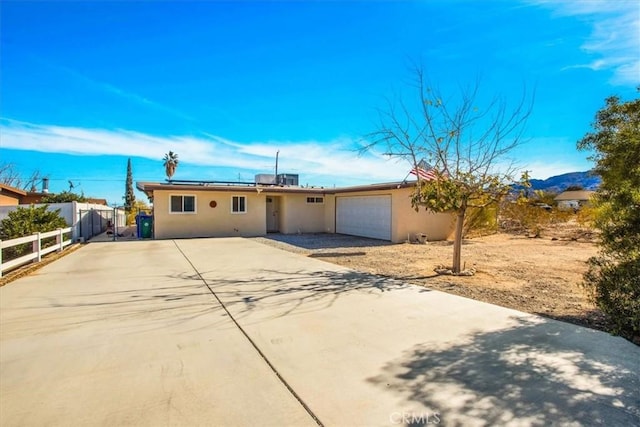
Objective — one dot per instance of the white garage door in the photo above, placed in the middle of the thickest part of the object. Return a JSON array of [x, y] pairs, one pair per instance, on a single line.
[[366, 216]]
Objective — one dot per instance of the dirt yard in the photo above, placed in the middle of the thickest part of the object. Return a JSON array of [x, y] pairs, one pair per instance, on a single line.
[[535, 275]]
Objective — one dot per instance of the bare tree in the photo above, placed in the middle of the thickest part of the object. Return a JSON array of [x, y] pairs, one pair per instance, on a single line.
[[10, 175], [464, 142], [32, 182]]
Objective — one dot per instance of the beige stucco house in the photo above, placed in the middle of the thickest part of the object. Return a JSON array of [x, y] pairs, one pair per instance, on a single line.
[[10, 196], [574, 199], [381, 211]]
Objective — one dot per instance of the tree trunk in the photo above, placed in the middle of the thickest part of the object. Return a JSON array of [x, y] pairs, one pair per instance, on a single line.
[[457, 241], [170, 170]]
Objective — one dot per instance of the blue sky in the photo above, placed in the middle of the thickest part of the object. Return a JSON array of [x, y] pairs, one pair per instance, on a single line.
[[86, 85]]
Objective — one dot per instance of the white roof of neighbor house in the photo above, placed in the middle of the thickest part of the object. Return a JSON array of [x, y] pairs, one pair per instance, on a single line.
[[581, 195]]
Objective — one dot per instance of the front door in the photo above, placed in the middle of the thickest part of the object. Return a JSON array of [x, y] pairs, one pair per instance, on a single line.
[[273, 207]]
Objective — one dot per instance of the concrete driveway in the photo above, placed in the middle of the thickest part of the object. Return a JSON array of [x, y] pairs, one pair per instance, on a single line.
[[232, 332]]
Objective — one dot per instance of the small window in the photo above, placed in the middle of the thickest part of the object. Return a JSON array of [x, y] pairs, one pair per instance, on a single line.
[[238, 204], [183, 204], [315, 200]]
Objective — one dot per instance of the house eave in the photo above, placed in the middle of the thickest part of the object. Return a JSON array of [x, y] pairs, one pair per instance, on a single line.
[[12, 191], [149, 187], [375, 187]]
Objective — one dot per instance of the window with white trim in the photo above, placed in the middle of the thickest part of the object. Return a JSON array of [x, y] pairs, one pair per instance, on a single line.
[[183, 204], [319, 200], [238, 204]]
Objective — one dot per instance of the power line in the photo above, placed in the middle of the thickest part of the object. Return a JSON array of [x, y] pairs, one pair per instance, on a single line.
[[97, 180]]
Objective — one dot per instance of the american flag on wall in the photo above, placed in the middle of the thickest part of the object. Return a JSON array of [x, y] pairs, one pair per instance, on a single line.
[[424, 170]]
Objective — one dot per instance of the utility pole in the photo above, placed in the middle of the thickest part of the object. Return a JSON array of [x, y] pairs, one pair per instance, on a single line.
[[115, 222]]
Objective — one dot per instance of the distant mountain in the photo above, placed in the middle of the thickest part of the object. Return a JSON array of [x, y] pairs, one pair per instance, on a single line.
[[587, 180]]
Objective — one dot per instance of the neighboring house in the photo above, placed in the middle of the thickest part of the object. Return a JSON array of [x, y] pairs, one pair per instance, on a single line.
[[380, 211], [10, 196], [33, 197], [102, 202], [574, 199]]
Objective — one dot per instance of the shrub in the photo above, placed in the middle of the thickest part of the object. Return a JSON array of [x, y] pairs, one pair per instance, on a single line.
[[615, 287], [522, 217], [613, 278], [64, 197], [586, 216], [26, 221], [481, 221]]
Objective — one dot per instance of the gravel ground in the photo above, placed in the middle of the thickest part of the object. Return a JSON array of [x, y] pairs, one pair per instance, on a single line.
[[539, 276]]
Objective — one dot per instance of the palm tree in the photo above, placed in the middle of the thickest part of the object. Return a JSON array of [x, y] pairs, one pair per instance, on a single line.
[[170, 163]]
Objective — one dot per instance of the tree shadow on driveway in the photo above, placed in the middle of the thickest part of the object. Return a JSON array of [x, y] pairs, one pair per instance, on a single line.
[[293, 292], [536, 373], [145, 308]]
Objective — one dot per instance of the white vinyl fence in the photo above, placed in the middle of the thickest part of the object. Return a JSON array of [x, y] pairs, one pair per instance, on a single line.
[[38, 251], [85, 219]]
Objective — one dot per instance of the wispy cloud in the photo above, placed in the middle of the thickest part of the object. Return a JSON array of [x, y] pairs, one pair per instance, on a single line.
[[126, 95], [109, 88], [325, 161], [614, 37]]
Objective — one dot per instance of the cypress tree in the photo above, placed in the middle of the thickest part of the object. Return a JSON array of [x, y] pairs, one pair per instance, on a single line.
[[129, 195]]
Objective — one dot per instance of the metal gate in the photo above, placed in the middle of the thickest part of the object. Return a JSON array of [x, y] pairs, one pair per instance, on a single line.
[[97, 221]]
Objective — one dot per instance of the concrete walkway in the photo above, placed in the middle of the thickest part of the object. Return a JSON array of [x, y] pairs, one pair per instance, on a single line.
[[231, 332]]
